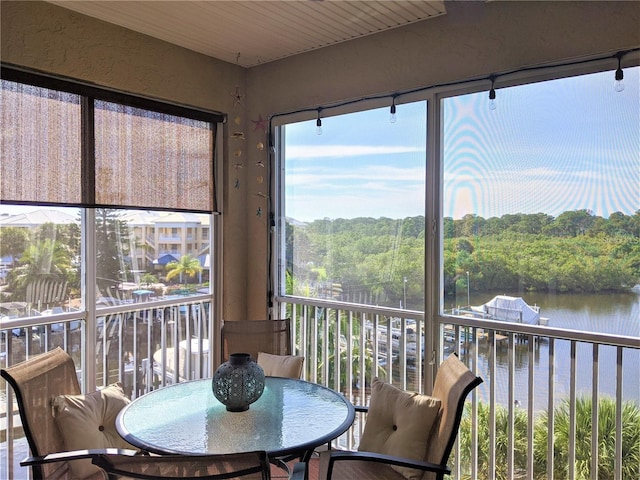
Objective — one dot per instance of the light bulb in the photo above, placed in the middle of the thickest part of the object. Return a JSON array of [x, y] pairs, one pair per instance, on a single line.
[[392, 112], [318, 124], [492, 99], [619, 85]]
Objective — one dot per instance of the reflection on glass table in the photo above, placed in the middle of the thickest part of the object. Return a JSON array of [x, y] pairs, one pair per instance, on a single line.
[[292, 417]]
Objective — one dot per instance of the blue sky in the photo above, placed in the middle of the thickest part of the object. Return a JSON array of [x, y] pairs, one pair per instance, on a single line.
[[548, 147], [361, 165]]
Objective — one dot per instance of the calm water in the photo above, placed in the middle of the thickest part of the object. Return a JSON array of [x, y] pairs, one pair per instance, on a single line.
[[617, 314]]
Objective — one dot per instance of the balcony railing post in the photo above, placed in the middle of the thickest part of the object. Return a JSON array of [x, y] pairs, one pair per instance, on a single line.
[[550, 410], [594, 412]]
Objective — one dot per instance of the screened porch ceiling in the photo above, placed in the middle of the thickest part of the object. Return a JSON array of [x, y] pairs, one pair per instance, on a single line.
[[250, 33]]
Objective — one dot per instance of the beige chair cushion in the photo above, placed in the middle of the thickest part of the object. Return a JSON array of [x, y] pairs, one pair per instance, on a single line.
[[88, 421], [289, 366], [399, 423]]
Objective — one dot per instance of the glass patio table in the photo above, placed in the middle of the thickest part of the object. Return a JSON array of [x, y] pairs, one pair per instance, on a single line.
[[292, 417]]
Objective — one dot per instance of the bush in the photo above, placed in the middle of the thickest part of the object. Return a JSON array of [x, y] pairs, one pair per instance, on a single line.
[[606, 440], [502, 441]]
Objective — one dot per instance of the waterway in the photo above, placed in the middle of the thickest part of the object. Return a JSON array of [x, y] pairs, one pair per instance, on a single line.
[[616, 314]]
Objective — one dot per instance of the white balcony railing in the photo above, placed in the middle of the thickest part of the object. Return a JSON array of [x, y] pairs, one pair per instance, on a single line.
[[143, 345], [527, 419], [170, 238], [530, 374]]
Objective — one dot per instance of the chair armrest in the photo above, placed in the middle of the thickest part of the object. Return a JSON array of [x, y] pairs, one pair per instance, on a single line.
[[75, 455], [361, 408], [339, 455]]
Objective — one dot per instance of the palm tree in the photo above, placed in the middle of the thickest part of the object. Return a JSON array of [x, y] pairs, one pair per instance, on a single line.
[[44, 259], [148, 278], [187, 265], [501, 441], [606, 440]]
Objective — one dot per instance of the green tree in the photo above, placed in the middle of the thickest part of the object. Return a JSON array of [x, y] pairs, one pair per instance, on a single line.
[[571, 223], [50, 254], [112, 247], [187, 265], [483, 427], [45, 259], [448, 227], [148, 279], [13, 241], [606, 440], [369, 258], [470, 225]]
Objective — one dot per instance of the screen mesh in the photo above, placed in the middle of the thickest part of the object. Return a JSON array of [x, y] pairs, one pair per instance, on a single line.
[[153, 160], [134, 157]]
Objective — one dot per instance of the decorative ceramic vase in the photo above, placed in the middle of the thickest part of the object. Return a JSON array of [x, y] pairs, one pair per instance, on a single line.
[[238, 382]]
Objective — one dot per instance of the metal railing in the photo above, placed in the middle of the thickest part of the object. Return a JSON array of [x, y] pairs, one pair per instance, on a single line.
[[537, 380], [542, 386], [142, 345]]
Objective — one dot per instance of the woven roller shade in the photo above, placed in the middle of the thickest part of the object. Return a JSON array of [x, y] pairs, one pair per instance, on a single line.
[[152, 160], [40, 145], [137, 158]]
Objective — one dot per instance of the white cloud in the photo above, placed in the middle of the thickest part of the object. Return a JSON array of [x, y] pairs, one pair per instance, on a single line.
[[324, 151], [347, 179]]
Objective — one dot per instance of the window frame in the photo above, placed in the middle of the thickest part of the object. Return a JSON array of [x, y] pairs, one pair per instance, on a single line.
[[87, 208], [434, 220], [89, 94]]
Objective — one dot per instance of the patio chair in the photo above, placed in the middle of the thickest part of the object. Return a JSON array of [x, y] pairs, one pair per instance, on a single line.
[[407, 435], [128, 464], [45, 382], [254, 336], [268, 342]]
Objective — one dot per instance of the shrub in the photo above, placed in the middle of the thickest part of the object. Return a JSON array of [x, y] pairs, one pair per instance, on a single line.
[[606, 440], [502, 441]]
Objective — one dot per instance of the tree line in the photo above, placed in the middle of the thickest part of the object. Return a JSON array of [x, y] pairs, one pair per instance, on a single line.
[[383, 258]]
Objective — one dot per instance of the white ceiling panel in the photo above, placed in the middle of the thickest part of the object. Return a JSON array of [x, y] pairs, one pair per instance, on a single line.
[[250, 33]]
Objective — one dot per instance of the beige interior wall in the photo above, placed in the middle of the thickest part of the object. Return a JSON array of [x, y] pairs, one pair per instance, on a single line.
[[472, 40], [52, 39]]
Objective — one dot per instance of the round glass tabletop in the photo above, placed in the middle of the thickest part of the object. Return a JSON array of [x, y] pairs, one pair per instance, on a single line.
[[291, 416]]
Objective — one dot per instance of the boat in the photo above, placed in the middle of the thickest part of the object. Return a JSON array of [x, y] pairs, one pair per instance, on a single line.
[[510, 309]]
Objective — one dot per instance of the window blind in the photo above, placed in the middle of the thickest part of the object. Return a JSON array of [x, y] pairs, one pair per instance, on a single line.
[[40, 145], [94, 148], [152, 160]]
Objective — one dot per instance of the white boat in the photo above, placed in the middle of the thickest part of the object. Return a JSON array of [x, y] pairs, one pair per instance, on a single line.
[[510, 309]]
